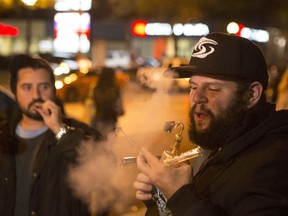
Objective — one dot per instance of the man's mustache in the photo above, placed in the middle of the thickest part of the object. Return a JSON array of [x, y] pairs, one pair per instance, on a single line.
[[38, 100], [201, 107]]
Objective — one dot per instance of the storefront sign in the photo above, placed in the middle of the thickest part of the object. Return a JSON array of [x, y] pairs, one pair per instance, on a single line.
[[8, 30]]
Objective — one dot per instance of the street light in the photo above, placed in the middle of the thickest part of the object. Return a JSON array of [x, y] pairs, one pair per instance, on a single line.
[[28, 3]]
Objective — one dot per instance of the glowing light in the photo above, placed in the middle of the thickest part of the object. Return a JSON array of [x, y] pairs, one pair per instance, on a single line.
[[67, 80], [178, 29], [61, 69], [258, 35], [197, 29], [73, 77], [29, 2], [138, 28], [59, 84], [232, 28], [73, 5], [72, 36], [280, 41], [142, 28], [84, 65], [8, 30], [255, 34], [158, 29]]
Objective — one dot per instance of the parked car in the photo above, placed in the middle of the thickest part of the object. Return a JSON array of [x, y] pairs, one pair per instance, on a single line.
[[152, 77]]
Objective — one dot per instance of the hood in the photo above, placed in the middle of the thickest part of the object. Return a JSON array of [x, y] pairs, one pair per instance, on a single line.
[[259, 121]]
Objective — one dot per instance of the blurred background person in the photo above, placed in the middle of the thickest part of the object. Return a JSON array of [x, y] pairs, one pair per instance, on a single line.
[[274, 79], [282, 92], [108, 101]]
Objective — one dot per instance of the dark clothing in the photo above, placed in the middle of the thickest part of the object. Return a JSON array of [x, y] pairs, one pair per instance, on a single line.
[[50, 194], [25, 159], [248, 176], [7, 104]]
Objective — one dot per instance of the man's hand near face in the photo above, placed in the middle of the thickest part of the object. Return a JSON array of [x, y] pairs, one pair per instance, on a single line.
[[51, 114]]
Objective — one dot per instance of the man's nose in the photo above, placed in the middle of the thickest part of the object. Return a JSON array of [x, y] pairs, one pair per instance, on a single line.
[[36, 93], [198, 96]]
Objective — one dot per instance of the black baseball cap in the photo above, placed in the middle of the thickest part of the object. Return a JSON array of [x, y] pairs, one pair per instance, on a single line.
[[224, 55]]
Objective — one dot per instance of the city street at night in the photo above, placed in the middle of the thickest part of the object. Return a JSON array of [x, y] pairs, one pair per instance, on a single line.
[[186, 106]]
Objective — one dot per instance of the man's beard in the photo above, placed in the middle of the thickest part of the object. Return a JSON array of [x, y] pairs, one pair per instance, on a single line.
[[221, 127], [33, 115]]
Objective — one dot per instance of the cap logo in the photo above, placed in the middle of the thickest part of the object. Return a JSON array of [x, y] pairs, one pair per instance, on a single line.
[[202, 48]]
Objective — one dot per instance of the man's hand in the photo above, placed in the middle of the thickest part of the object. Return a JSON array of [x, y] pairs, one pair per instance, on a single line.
[[154, 172], [143, 187], [51, 114]]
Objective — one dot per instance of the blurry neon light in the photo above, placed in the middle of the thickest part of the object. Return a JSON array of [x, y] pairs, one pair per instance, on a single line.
[[258, 35], [29, 2], [73, 5], [142, 28], [61, 69], [138, 28], [232, 28], [280, 41], [72, 32], [178, 29], [8, 30], [58, 84], [197, 29], [161, 29], [255, 34], [71, 78]]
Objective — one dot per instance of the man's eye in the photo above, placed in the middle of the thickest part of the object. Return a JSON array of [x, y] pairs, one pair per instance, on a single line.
[[193, 88], [26, 87], [214, 89], [44, 87]]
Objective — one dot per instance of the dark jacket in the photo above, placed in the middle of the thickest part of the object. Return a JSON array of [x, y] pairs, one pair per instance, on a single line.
[[247, 177], [50, 193]]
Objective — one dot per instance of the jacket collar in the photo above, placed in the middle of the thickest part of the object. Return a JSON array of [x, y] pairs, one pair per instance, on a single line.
[[258, 121]]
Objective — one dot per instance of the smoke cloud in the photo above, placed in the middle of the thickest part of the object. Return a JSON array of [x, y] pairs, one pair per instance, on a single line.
[[100, 178]]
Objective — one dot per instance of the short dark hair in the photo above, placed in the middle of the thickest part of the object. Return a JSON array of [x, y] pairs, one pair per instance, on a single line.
[[25, 61]]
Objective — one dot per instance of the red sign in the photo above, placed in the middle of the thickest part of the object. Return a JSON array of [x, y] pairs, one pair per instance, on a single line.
[[8, 30]]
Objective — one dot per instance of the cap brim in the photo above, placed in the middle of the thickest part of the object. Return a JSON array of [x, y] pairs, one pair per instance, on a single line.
[[180, 72]]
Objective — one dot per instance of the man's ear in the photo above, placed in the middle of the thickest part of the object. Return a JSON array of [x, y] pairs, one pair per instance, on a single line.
[[255, 92]]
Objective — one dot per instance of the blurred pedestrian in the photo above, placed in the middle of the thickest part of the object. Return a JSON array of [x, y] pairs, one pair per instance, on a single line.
[[274, 79], [282, 92], [246, 172], [38, 145], [108, 101]]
